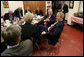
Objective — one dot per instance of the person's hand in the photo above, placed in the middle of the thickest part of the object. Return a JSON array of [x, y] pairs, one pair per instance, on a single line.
[[62, 10], [47, 20], [43, 33]]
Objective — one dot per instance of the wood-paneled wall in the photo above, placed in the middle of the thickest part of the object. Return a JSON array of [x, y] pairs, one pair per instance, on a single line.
[[34, 4]]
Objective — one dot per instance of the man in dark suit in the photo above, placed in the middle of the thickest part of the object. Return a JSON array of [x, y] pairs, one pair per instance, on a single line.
[[9, 16], [49, 18], [39, 12], [12, 37], [27, 10], [63, 8], [18, 13], [53, 32]]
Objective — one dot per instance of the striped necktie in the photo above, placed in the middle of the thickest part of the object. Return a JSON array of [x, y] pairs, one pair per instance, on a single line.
[[51, 26], [46, 22]]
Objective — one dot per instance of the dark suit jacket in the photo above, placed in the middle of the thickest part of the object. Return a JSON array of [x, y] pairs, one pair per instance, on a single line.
[[52, 19], [16, 13], [39, 13], [28, 31], [55, 32], [24, 49], [6, 16], [65, 8], [26, 11], [3, 47]]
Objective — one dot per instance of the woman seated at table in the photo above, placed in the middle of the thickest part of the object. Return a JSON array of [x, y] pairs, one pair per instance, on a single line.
[[29, 30]]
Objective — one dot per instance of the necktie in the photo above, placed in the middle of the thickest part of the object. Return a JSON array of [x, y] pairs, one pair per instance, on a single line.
[[51, 27], [46, 23]]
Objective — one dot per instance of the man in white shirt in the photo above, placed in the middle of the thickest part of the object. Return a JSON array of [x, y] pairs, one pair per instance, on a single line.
[[27, 10]]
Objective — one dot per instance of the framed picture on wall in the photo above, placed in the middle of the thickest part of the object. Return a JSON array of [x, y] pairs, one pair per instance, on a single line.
[[5, 4], [71, 4]]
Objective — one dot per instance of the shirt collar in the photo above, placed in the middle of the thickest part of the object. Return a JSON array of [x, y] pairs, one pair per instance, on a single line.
[[61, 20], [8, 47]]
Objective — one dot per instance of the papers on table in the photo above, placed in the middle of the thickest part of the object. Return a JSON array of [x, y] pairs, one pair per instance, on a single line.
[[7, 23], [37, 19]]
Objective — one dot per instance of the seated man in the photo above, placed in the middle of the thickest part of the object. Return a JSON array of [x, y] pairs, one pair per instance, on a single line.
[[39, 12], [53, 32], [12, 37], [49, 18], [27, 10], [18, 13], [9, 16]]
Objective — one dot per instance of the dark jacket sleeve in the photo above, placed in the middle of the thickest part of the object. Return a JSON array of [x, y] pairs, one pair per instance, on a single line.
[[25, 11], [16, 13], [66, 8], [6, 16], [36, 12], [41, 12], [22, 13], [36, 33], [58, 7], [46, 16]]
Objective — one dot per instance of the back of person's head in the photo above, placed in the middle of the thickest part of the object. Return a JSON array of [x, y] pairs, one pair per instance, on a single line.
[[28, 17], [59, 15], [12, 35]]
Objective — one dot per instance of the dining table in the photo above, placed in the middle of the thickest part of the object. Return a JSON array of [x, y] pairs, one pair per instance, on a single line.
[[5, 24]]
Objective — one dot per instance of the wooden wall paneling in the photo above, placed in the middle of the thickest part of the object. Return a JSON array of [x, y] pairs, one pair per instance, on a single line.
[[34, 4]]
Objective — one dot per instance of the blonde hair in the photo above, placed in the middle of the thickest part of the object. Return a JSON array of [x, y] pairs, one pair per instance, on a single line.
[[28, 17]]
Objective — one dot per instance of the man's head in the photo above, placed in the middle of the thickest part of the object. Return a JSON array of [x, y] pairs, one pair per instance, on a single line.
[[20, 8], [10, 12], [12, 35], [27, 7], [59, 16], [62, 2], [38, 8], [50, 11]]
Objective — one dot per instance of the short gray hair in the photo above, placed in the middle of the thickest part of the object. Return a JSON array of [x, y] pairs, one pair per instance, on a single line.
[[61, 14], [11, 35], [28, 17]]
